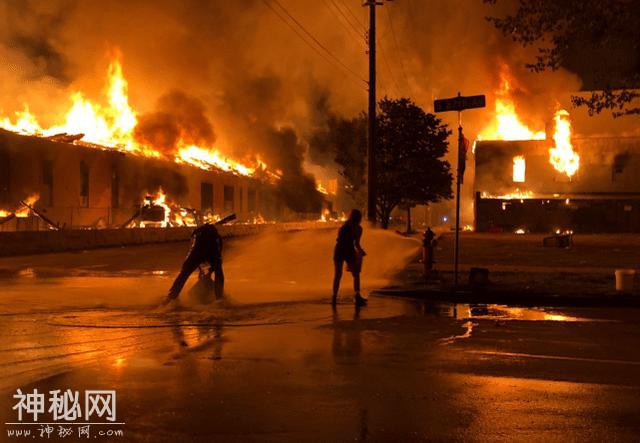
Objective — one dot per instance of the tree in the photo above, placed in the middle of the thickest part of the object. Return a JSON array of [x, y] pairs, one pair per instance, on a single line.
[[410, 147], [598, 39], [409, 151]]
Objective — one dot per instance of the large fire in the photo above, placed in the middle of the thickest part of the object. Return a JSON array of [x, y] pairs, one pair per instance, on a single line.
[[562, 156], [506, 124], [113, 124]]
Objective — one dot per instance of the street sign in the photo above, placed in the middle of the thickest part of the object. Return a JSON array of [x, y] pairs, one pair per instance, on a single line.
[[459, 103]]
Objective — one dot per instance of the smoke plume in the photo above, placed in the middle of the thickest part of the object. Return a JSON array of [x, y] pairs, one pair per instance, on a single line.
[[250, 83], [178, 118]]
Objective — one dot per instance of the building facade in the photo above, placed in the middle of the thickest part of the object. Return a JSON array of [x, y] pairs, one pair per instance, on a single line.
[[518, 189], [79, 187]]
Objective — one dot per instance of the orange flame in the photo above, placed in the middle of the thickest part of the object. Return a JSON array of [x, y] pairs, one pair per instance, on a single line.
[[506, 124], [113, 126], [22, 211], [562, 156], [515, 195], [160, 199], [321, 189]]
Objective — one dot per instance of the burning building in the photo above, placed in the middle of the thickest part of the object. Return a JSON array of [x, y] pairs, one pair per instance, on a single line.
[[542, 178], [107, 167], [558, 184], [72, 186]]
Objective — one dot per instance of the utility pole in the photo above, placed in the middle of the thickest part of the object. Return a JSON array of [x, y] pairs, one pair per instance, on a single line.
[[371, 146]]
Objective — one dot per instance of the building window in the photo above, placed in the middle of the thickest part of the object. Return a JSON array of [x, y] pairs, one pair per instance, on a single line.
[[620, 161], [84, 184], [240, 198], [5, 176], [206, 196], [519, 167], [228, 199], [115, 188], [47, 183], [252, 200]]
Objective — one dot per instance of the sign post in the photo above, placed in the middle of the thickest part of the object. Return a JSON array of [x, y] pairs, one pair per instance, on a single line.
[[459, 104]]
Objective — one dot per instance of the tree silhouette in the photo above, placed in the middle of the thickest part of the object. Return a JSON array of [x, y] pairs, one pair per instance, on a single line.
[[409, 152]]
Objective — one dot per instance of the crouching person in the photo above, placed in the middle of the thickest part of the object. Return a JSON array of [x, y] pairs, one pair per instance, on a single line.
[[206, 247]]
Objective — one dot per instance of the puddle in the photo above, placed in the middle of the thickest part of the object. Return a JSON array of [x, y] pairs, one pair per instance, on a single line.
[[462, 311]]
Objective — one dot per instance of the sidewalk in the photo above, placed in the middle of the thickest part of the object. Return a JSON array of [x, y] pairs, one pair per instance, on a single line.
[[523, 272]]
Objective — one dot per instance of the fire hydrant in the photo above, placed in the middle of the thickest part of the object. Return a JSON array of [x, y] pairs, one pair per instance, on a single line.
[[428, 247]]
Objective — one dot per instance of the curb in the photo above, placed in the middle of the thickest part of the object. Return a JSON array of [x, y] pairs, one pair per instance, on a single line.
[[526, 299]]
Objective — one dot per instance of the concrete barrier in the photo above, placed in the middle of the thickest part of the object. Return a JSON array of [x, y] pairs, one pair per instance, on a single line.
[[40, 242]]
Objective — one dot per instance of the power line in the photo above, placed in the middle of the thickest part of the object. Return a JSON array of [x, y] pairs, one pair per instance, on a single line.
[[298, 33], [388, 66], [395, 41], [355, 28], [349, 27], [360, 32], [346, 6], [312, 37], [317, 41]]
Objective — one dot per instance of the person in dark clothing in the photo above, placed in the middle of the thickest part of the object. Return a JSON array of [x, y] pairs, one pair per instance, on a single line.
[[349, 251], [428, 249], [206, 247]]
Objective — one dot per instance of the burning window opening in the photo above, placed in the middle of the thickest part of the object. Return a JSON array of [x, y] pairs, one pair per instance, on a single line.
[[507, 125], [112, 127], [331, 216], [519, 169], [327, 187]]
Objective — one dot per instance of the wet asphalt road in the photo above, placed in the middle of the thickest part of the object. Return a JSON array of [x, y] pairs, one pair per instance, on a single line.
[[289, 368]]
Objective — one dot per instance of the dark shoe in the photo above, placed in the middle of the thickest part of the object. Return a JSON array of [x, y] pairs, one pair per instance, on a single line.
[[360, 300]]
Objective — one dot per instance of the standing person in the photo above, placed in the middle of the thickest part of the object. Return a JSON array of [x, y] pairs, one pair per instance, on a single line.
[[349, 251], [206, 246], [428, 249]]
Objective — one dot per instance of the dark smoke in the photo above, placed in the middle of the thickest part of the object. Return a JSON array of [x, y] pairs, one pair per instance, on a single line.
[[297, 189], [178, 118], [258, 112], [47, 60], [260, 86], [34, 30]]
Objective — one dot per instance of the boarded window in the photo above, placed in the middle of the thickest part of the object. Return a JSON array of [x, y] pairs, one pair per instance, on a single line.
[[228, 199], [620, 162], [206, 196], [47, 183], [84, 184]]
